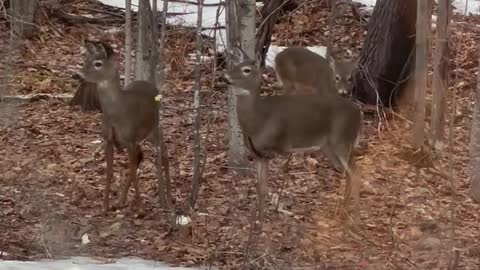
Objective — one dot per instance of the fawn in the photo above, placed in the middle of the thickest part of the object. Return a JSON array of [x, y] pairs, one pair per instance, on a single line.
[[286, 124], [129, 114], [300, 69]]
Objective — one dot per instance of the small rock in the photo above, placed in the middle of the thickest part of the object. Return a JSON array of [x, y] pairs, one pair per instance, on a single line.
[[116, 226], [430, 243], [85, 239], [112, 229], [51, 166]]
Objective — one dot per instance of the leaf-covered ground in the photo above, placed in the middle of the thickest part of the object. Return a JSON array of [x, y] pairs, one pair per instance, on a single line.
[[51, 182]]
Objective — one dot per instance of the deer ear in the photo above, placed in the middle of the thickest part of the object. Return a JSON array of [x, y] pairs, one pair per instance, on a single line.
[[236, 54], [355, 63], [90, 46], [331, 61], [244, 54], [107, 50], [258, 59]]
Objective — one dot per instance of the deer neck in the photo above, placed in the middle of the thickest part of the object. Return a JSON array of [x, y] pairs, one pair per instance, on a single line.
[[109, 93], [246, 108]]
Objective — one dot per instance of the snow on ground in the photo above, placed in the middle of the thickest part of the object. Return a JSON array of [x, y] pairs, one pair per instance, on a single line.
[[210, 19], [471, 6], [82, 263]]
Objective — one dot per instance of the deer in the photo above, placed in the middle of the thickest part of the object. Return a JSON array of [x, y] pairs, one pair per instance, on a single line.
[[299, 69], [129, 114], [285, 124]]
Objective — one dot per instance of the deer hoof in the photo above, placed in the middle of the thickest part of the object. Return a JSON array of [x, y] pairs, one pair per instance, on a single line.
[[138, 208]]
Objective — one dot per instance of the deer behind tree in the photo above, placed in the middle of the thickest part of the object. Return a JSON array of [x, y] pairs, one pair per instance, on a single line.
[[300, 70]]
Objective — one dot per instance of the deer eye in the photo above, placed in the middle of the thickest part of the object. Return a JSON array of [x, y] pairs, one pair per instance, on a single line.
[[337, 77], [98, 64], [246, 70]]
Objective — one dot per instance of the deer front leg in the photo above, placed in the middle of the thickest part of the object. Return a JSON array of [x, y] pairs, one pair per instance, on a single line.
[[262, 185], [108, 181]]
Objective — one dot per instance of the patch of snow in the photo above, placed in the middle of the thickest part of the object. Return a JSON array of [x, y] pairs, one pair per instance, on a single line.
[[189, 17], [370, 4], [470, 6], [84, 263], [183, 220]]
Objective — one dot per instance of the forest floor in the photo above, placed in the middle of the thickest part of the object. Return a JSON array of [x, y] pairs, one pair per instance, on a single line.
[[415, 208]]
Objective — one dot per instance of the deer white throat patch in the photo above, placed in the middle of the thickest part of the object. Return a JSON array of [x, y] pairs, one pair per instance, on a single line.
[[242, 92], [103, 84]]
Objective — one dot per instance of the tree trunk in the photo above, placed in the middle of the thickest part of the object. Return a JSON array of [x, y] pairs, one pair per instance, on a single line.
[[86, 97], [128, 41], [143, 69], [240, 18], [440, 74], [163, 168], [270, 12], [475, 146], [199, 156], [386, 58], [22, 20], [421, 71]]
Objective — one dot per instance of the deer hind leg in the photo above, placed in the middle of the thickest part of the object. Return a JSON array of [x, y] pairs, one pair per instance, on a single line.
[[344, 155], [330, 155], [109, 154], [135, 157]]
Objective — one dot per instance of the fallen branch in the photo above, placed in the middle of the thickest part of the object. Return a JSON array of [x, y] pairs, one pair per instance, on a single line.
[[34, 97], [58, 12]]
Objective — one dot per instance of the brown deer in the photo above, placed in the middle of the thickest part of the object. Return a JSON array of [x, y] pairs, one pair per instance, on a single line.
[[282, 125], [129, 114], [299, 69]]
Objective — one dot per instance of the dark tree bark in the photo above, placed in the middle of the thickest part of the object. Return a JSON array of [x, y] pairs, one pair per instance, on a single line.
[[271, 11], [386, 60], [86, 96]]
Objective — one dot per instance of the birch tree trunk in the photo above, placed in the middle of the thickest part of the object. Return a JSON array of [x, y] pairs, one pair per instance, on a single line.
[[128, 41], [163, 168], [143, 52], [22, 19], [421, 57], [198, 160], [240, 24], [475, 146], [440, 74]]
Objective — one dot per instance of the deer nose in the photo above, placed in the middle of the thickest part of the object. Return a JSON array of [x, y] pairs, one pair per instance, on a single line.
[[78, 76], [226, 78], [342, 91]]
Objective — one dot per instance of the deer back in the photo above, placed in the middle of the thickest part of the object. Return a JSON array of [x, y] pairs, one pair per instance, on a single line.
[[299, 68]]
